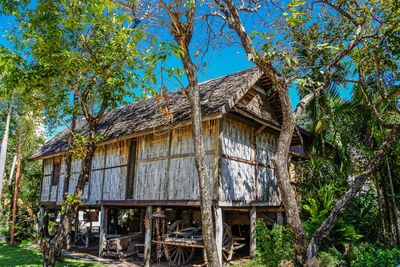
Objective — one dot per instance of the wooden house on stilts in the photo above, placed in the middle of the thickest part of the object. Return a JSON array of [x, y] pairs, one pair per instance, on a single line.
[[144, 189]]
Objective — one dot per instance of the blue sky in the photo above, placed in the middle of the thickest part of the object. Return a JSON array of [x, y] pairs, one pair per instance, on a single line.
[[222, 61]]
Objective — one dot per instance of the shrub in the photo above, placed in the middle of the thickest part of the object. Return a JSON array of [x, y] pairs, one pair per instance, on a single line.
[[273, 245], [367, 254], [330, 258]]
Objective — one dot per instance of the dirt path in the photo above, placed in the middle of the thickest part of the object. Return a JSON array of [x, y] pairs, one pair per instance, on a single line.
[[109, 262]]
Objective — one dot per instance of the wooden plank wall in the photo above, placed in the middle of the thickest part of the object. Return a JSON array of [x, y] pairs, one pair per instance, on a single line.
[[165, 163], [246, 171], [115, 171], [60, 187], [165, 167], [238, 181], [256, 102], [109, 166], [267, 190], [47, 173], [75, 171]]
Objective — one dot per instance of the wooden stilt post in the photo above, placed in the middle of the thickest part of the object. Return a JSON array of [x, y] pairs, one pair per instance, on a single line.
[[141, 226], [219, 229], [42, 212], [147, 236], [45, 227], [103, 229], [253, 219], [279, 218]]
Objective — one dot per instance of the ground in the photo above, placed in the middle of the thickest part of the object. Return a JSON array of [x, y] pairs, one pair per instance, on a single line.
[[25, 255], [29, 255]]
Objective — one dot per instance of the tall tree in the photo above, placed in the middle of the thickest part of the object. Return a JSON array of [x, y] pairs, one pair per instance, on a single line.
[[9, 69], [181, 23], [16, 189], [91, 52], [3, 149], [329, 35]]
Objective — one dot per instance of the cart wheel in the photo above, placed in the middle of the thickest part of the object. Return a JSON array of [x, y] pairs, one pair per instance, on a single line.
[[227, 243], [178, 255], [132, 248], [175, 230]]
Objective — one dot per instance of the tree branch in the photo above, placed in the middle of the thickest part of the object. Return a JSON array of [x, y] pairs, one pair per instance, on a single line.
[[370, 104], [340, 206], [340, 10]]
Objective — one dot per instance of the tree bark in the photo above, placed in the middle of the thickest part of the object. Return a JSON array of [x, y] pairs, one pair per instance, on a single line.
[[380, 206], [3, 150], [394, 207], [208, 232], [182, 31], [16, 191], [12, 170]]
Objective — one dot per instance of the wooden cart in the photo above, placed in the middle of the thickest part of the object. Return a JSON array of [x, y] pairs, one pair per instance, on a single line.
[[182, 239], [122, 247]]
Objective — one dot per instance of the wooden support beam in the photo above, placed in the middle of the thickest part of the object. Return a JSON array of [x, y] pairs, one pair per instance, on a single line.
[[219, 229], [259, 130], [279, 218], [42, 212], [253, 219], [141, 221], [103, 229], [274, 126], [147, 236]]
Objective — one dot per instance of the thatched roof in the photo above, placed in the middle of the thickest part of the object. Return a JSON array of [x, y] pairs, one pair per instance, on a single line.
[[217, 96]]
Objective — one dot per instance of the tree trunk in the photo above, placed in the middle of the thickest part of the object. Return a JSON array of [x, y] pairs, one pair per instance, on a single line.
[[3, 150], [393, 204], [52, 250], [67, 177], [342, 203], [16, 190], [182, 33], [282, 167], [207, 226], [380, 206], [388, 208], [12, 170]]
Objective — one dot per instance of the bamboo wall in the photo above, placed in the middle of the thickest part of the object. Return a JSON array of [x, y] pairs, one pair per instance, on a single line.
[[165, 163], [246, 171], [163, 167], [107, 180]]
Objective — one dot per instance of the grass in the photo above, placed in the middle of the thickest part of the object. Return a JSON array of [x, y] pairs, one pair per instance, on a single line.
[[22, 255]]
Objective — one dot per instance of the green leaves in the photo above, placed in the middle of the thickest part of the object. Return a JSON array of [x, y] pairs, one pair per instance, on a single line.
[[274, 246], [294, 15]]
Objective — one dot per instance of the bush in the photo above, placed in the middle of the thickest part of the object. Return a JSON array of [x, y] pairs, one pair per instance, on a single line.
[[367, 254], [273, 245], [330, 258]]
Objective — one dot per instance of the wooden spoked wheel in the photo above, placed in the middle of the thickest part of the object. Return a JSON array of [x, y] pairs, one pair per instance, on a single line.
[[180, 229], [132, 249], [179, 255], [227, 243]]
